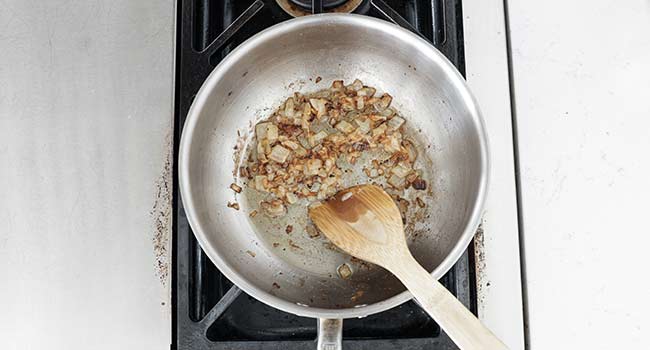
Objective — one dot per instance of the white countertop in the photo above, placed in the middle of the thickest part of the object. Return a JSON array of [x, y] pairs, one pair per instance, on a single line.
[[85, 122], [582, 91]]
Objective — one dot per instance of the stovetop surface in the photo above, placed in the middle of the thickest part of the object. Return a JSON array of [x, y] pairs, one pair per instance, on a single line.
[[208, 311]]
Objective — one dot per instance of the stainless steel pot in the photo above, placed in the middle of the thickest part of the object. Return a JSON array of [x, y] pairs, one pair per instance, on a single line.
[[255, 79]]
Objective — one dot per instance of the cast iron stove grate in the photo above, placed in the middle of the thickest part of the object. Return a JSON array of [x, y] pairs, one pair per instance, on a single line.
[[208, 311]]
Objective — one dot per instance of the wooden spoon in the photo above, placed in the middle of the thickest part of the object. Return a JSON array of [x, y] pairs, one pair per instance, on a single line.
[[365, 222]]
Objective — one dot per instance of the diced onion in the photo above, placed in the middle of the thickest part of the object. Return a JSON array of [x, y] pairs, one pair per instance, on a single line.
[[395, 123], [401, 170], [301, 150], [345, 127], [279, 154]]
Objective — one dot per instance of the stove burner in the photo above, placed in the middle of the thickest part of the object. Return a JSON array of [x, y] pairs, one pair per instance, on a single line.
[[327, 4], [298, 8]]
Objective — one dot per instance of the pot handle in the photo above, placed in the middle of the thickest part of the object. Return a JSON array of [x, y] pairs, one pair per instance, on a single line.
[[330, 334]]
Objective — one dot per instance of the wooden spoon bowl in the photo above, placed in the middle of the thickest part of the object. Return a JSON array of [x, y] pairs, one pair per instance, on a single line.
[[366, 223]]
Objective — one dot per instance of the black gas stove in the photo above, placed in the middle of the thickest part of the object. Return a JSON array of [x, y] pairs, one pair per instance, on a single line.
[[209, 312]]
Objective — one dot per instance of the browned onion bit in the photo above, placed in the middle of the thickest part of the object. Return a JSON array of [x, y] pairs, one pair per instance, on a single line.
[[235, 187], [419, 184]]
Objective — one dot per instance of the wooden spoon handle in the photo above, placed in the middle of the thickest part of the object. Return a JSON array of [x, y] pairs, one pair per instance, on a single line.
[[452, 316]]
